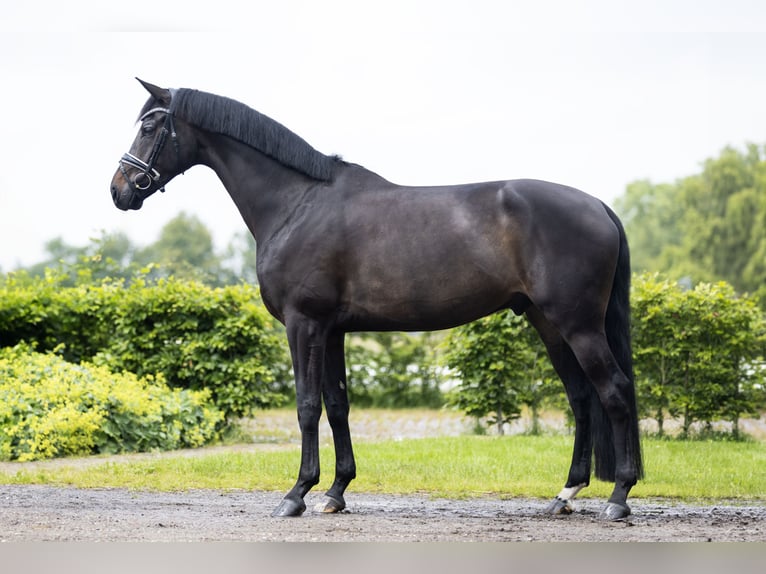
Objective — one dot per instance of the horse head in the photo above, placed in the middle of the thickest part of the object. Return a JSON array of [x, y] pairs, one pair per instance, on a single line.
[[156, 155]]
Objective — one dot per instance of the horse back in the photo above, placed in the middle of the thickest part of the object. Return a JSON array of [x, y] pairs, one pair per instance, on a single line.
[[374, 255]]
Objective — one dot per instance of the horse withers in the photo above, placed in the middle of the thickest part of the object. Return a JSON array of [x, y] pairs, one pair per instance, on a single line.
[[340, 249]]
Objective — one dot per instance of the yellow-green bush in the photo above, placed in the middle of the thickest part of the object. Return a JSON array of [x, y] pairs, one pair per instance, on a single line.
[[50, 407]]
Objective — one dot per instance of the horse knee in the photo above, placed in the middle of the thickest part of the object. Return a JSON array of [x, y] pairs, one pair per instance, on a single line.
[[337, 410], [337, 416], [308, 416]]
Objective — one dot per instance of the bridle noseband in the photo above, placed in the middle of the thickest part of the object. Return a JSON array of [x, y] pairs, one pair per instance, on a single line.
[[148, 175]]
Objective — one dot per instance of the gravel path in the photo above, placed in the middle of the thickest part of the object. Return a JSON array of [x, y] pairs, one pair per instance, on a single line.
[[43, 513]]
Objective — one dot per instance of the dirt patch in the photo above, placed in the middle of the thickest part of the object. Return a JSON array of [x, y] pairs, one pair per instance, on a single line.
[[44, 513]]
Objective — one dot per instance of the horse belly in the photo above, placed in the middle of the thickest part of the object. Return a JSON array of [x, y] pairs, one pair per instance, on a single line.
[[428, 287]]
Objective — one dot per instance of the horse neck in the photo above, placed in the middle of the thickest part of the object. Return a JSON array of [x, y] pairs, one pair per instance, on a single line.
[[264, 191]]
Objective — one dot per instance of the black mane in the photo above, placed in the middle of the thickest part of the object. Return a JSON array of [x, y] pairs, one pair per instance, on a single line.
[[231, 118]]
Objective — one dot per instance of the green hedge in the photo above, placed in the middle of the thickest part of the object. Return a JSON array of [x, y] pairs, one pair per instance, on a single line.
[[41, 312], [195, 336], [50, 407]]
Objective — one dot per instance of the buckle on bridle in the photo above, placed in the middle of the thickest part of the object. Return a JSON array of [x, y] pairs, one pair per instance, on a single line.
[[147, 171]]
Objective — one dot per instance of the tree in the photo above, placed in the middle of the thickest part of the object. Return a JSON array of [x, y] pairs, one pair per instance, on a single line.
[[109, 255], [650, 214], [502, 366], [240, 257], [656, 356], [185, 250], [722, 349], [698, 353], [709, 226]]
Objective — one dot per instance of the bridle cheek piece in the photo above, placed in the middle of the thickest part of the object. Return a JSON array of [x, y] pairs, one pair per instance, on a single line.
[[147, 174]]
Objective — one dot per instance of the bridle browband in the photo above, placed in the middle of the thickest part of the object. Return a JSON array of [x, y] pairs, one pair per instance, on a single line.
[[148, 174]]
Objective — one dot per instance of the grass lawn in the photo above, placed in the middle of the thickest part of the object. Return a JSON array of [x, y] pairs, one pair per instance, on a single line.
[[458, 467]]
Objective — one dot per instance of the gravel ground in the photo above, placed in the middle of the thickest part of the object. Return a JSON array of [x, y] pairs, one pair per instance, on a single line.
[[43, 513], [46, 513]]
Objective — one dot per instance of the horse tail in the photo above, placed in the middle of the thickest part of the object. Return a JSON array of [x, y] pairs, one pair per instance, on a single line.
[[617, 328]]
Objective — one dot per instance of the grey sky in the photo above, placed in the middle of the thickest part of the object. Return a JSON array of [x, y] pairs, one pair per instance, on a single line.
[[594, 94]]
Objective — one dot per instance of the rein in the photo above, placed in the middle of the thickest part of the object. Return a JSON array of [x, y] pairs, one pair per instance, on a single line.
[[148, 174]]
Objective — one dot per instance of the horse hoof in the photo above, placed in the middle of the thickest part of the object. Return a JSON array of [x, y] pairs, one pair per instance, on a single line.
[[559, 506], [329, 505], [289, 507], [615, 511]]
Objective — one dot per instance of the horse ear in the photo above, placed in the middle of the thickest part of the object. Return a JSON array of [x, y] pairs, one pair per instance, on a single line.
[[160, 94]]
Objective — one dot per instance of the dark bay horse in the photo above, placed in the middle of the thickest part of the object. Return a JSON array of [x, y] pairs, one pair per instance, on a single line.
[[340, 249]]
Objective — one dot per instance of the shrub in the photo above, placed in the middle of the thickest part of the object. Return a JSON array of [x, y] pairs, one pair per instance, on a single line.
[[221, 339], [78, 320], [393, 370], [198, 337], [698, 352], [503, 366], [50, 407]]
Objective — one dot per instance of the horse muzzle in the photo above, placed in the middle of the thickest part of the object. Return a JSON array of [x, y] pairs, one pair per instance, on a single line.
[[124, 195], [129, 190]]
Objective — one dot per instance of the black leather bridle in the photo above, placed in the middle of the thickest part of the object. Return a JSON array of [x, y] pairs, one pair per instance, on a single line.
[[147, 174]]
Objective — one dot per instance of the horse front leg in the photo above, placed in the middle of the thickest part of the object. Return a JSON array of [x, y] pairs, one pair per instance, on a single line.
[[336, 402], [307, 347]]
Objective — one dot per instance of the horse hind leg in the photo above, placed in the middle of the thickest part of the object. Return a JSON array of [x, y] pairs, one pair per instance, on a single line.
[[616, 395], [580, 395], [581, 403]]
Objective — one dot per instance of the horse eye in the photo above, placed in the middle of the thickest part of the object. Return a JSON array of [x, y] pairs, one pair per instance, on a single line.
[[147, 128]]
